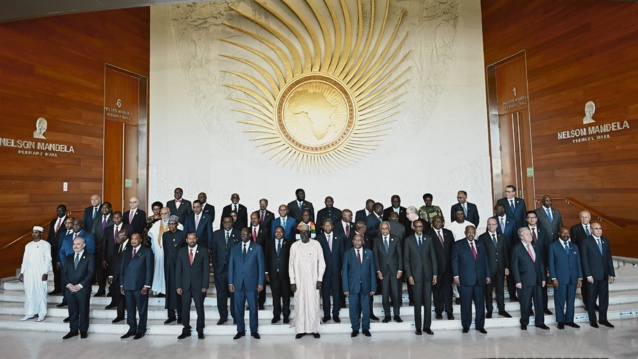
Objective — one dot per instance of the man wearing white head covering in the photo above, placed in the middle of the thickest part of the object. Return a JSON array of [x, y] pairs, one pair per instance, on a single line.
[[36, 264]]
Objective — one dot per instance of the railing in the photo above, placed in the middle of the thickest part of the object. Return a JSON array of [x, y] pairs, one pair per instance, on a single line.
[[583, 207], [45, 225], [626, 260]]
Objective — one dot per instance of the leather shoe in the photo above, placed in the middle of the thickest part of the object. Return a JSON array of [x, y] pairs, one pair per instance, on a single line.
[[70, 335], [488, 316], [606, 323], [367, 333], [129, 334], [398, 319], [170, 320], [354, 333], [200, 336], [547, 312], [523, 327], [274, 320], [222, 321], [184, 335], [542, 326], [573, 325], [316, 335], [466, 330], [482, 330], [255, 335], [286, 320], [138, 336], [100, 293], [504, 314], [439, 316], [117, 320], [110, 306], [514, 299], [458, 301], [428, 331], [299, 335], [325, 319], [336, 319], [418, 332], [531, 312], [239, 335], [66, 320], [373, 317], [61, 305], [261, 307], [234, 321], [450, 317], [561, 326], [84, 335], [179, 321], [386, 320]]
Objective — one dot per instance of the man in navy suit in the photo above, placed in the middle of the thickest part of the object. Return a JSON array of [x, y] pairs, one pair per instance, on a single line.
[[359, 283], [99, 225], [345, 228], [332, 246], [89, 239], [494, 244], [288, 223], [528, 270], [179, 206], [442, 291], [207, 208], [506, 225], [56, 233], [277, 259], [388, 261], [136, 277], [246, 278], [296, 207], [374, 219], [396, 207], [598, 268], [199, 223], [192, 282], [223, 240], [514, 206], [77, 276], [471, 271], [362, 214], [258, 234], [91, 212], [541, 241], [469, 209], [135, 217], [566, 273], [237, 208]]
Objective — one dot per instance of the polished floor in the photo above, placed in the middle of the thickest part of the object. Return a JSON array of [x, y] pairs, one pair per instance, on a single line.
[[587, 342]]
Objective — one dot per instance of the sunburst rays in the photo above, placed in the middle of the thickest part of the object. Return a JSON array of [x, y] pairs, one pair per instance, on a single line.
[[355, 51]]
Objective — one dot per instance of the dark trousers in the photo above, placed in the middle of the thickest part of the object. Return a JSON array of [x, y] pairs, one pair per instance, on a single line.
[[241, 297], [261, 298], [79, 309], [443, 294], [468, 294], [525, 296], [599, 289], [198, 298], [57, 277], [330, 287], [135, 300], [359, 303], [100, 273], [564, 294], [498, 282], [390, 290], [280, 295], [511, 286], [118, 298], [223, 294], [422, 297]]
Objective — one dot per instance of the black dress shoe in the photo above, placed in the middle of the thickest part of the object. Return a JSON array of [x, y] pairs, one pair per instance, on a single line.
[[547, 312], [261, 307], [138, 336], [117, 320], [458, 301], [573, 325], [439, 316], [593, 324], [354, 333], [596, 307], [488, 316], [255, 335], [129, 334], [234, 321], [386, 320], [299, 335], [336, 319], [70, 335], [200, 336], [561, 326], [450, 317], [373, 317], [84, 335], [523, 327], [61, 305], [418, 332], [100, 293], [606, 323], [222, 321], [286, 320], [410, 303], [325, 319], [184, 335], [428, 331], [110, 306], [466, 330], [367, 333], [504, 314], [542, 326], [179, 321], [531, 313], [55, 292], [482, 330], [239, 335], [513, 299], [398, 319], [170, 320], [66, 320], [274, 320], [316, 335], [161, 295]]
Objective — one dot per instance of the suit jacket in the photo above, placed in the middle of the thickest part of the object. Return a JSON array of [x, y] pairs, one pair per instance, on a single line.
[[242, 215], [246, 273], [596, 265], [137, 272], [262, 236], [391, 262], [577, 234], [361, 215], [184, 209], [98, 232], [397, 229], [443, 252], [565, 266], [192, 276], [209, 209], [510, 233], [332, 213], [403, 219], [277, 265], [373, 222], [357, 277], [550, 229], [524, 269], [289, 230], [497, 256], [421, 265], [472, 212], [542, 242], [268, 218], [172, 243], [204, 229], [87, 219], [115, 266], [519, 213], [471, 272], [88, 239], [83, 274], [139, 220], [220, 250], [334, 258], [53, 238], [110, 247], [341, 232], [295, 212]]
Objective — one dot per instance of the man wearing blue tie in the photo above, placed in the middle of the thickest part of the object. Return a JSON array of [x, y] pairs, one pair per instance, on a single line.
[[566, 273], [598, 268], [359, 283]]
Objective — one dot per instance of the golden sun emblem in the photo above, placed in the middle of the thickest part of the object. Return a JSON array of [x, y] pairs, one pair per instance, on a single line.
[[326, 90]]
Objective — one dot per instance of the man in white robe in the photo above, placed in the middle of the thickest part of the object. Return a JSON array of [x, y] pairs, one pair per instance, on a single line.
[[155, 234], [36, 264], [306, 269]]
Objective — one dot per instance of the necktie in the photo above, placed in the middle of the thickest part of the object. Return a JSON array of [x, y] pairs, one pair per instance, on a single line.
[[567, 248], [130, 217], [512, 204], [190, 256], [330, 242], [465, 209], [600, 246], [261, 218], [359, 256], [115, 233], [134, 252], [348, 230], [549, 215], [57, 225], [94, 212], [534, 235], [385, 243], [587, 230], [76, 261], [244, 251], [196, 222], [75, 235], [494, 240], [235, 208], [299, 203], [418, 240], [438, 233], [103, 223], [473, 249], [254, 234], [227, 236], [502, 224], [529, 251], [278, 247], [283, 223]]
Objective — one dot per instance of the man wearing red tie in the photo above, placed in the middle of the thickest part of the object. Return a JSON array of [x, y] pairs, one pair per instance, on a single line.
[[136, 276], [135, 217], [258, 235], [56, 233], [359, 283], [192, 281]]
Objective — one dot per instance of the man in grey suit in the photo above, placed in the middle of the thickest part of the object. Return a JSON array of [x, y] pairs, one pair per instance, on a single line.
[[549, 219], [388, 260]]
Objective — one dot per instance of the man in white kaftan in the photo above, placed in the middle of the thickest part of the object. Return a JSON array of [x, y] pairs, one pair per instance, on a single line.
[[36, 264], [155, 234]]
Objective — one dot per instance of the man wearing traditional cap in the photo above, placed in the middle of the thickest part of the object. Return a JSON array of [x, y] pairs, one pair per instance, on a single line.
[[172, 242], [36, 263], [156, 234]]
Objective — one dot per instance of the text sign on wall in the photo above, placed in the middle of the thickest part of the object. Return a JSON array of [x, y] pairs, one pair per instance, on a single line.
[[121, 96]]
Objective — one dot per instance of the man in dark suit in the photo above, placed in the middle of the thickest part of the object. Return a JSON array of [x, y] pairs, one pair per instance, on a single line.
[[443, 243], [89, 240], [374, 219], [332, 246], [359, 283], [237, 208], [421, 268], [577, 235], [179, 206], [109, 251], [199, 223], [362, 214], [471, 272], [514, 207], [246, 278], [541, 241], [344, 228], [56, 233], [207, 208], [598, 269], [173, 241], [328, 212], [135, 217], [192, 282], [397, 228], [494, 244], [296, 207], [92, 212], [277, 259], [395, 200], [99, 225], [549, 219], [567, 274], [265, 216], [469, 209], [507, 227], [528, 270], [258, 234], [388, 261], [223, 240], [136, 278], [288, 223], [77, 276], [114, 270]]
